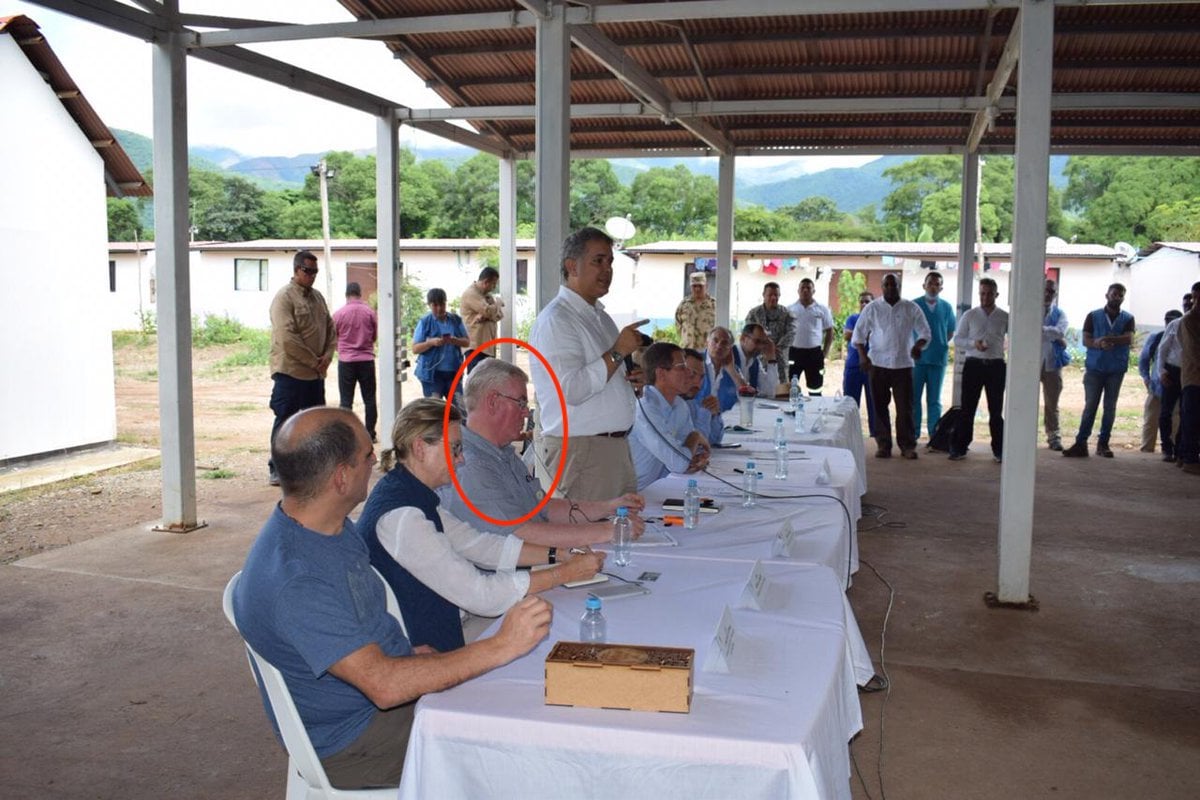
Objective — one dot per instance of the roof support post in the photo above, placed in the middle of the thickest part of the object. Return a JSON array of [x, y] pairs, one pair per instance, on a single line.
[[967, 225], [176, 424], [508, 251], [387, 267], [1025, 301], [725, 239], [553, 148]]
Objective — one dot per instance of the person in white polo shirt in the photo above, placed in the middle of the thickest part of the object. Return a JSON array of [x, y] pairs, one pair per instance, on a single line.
[[811, 340], [888, 325], [587, 352], [979, 340]]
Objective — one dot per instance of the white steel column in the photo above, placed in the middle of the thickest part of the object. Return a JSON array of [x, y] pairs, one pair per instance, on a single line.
[[725, 240], [387, 268], [508, 251], [553, 149], [1025, 301], [176, 423], [968, 222]]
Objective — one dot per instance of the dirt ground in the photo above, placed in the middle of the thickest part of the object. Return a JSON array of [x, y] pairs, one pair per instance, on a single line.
[[232, 426]]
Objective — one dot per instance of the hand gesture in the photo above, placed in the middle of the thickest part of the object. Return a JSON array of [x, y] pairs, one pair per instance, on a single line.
[[630, 338], [631, 500], [711, 404], [636, 378], [525, 624]]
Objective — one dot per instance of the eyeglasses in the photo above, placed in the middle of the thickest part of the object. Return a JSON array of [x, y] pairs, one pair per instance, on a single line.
[[680, 365], [456, 448], [521, 402], [310, 270]]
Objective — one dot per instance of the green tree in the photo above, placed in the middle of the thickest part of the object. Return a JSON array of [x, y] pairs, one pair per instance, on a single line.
[[757, 224], [1117, 196], [814, 209], [1175, 222], [596, 193], [670, 202], [226, 207], [914, 181], [124, 220], [421, 186]]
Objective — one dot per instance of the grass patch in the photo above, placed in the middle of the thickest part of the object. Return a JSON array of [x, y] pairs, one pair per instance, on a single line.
[[133, 339], [218, 474]]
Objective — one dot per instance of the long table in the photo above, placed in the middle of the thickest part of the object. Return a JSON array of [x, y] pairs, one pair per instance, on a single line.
[[775, 726], [828, 422]]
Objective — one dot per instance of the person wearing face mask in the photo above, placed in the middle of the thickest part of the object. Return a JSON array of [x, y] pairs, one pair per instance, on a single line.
[[930, 368], [433, 560]]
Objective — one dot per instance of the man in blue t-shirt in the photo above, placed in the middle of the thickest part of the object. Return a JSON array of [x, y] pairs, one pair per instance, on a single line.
[[309, 603]]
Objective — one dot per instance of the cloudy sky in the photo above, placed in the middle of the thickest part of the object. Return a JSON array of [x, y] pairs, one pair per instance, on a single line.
[[254, 117]]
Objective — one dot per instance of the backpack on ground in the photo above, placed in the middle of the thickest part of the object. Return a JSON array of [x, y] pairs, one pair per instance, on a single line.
[[943, 432]]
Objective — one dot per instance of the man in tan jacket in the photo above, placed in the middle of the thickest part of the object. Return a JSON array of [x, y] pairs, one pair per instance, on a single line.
[[481, 311], [302, 343]]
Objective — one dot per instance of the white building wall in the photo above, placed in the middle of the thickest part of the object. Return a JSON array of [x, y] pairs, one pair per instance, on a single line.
[[57, 386], [134, 289], [1158, 283]]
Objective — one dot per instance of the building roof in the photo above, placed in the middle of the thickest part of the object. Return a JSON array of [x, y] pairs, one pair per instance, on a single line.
[[937, 250], [754, 77], [1187, 247], [122, 178]]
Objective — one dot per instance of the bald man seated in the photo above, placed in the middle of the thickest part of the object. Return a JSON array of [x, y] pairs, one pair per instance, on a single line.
[[308, 602]]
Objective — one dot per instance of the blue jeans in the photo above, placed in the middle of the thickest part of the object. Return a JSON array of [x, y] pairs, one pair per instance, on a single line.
[[928, 378], [854, 382], [1096, 384], [289, 396]]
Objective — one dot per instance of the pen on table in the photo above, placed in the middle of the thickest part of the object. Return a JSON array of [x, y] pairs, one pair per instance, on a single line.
[[672, 520]]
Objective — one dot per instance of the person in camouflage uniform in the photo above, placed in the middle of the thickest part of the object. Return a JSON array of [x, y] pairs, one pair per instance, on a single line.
[[696, 315], [777, 321]]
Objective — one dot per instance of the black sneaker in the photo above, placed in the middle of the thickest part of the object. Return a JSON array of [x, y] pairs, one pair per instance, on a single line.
[[1103, 450], [1169, 458], [1077, 450], [957, 456]]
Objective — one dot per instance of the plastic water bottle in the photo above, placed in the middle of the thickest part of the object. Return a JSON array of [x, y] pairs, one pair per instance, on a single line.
[[593, 629], [749, 486], [781, 459], [691, 505], [779, 435], [800, 417], [794, 393], [622, 538]]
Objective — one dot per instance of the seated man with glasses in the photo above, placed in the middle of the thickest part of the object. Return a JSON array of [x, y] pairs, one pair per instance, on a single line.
[[664, 439], [435, 562], [498, 483]]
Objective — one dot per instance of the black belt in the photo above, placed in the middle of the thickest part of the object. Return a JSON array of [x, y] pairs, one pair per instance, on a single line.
[[614, 434]]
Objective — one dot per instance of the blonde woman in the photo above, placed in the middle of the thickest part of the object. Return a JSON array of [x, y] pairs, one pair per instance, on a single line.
[[432, 559]]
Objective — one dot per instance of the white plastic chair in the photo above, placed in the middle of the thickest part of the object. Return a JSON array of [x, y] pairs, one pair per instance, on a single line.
[[306, 776]]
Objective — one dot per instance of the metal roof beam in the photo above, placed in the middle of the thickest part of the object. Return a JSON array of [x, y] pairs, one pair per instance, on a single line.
[[641, 82], [369, 29], [460, 135], [740, 9], [985, 117], [111, 14]]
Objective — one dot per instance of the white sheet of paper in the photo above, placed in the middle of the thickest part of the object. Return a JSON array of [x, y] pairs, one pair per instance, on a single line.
[[754, 595], [655, 536], [782, 546], [720, 653], [824, 476]]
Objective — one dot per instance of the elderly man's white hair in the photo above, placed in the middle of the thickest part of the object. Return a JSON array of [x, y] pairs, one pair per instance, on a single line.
[[489, 374]]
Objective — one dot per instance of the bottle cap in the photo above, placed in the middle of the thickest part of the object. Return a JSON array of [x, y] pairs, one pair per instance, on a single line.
[[593, 603], [749, 465], [691, 482], [779, 420], [622, 511]]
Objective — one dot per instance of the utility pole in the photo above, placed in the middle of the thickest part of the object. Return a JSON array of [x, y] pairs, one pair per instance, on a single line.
[[323, 173]]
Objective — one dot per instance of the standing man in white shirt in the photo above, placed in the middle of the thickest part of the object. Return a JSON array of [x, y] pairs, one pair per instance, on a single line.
[[812, 339], [979, 339], [889, 324], [587, 352]]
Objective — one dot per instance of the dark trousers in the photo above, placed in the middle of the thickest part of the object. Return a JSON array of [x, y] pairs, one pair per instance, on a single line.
[[981, 375], [361, 374], [884, 384], [811, 362], [854, 382], [1166, 407], [1188, 446], [290, 395]]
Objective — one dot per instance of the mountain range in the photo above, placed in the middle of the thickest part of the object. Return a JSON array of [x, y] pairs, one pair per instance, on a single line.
[[769, 186]]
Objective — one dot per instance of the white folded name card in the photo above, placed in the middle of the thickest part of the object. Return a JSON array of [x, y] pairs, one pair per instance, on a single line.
[[824, 476], [720, 653], [781, 547], [754, 595]]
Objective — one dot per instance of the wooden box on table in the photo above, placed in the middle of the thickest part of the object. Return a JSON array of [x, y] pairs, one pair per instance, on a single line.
[[623, 676]]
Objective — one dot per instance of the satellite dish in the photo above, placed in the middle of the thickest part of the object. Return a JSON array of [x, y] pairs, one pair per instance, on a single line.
[[1125, 251], [620, 228], [1055, 241]]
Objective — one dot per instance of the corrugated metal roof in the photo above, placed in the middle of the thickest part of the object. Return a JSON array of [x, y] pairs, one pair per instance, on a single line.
[[121, 176], [1098, 48]]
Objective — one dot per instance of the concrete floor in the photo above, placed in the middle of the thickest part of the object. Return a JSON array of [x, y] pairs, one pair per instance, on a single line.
[[120, 677]]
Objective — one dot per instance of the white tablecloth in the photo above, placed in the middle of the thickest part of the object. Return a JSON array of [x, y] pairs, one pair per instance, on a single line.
[[822, 533], [840, 426], [776, 726]]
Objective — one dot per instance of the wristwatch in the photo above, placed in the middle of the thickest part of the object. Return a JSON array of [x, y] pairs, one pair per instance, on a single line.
[[616, 357], [552, 555]]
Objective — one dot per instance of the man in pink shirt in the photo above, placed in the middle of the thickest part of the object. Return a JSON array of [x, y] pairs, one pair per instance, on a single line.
[[357, 328]]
